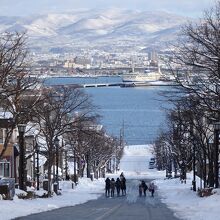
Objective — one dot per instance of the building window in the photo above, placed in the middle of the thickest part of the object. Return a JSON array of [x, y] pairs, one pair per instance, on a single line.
[[1, 136], [1, 169], [4, 169]]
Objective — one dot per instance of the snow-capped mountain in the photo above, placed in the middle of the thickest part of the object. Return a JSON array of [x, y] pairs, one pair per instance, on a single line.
[[96, 26]]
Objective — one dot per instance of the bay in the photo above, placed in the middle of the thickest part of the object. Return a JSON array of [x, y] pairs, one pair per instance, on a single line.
[[136, 112]]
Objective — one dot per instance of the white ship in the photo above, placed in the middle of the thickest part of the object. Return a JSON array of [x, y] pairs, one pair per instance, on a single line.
[[142, 77]]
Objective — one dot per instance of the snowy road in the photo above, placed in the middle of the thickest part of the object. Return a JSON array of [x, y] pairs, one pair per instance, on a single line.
[[130, 207]]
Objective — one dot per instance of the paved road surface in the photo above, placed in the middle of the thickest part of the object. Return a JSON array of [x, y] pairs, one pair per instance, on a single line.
[[130, 207]]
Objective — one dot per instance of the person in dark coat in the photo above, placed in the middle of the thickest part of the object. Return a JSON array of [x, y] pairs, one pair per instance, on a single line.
[[140, 189], [118, 186], [107, 187], [122, 176], [112, 187], [123, 186], [144, 187]]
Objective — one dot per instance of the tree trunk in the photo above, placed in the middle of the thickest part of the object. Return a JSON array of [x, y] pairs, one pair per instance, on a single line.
[[211, 175], [50, 163]]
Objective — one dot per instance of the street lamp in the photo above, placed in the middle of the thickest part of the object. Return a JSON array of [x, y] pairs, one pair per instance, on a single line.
[[56, 142], [22, 162], [216, 141], [38, 174]]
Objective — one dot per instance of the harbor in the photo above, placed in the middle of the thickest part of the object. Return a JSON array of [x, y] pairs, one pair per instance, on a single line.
[[97, 82], [122, 84], [130, 84]]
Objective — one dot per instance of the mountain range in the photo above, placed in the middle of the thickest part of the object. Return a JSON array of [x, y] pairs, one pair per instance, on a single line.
[[96, 28]]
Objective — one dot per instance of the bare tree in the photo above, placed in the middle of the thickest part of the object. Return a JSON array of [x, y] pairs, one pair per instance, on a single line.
[[196, 62], [92, 145], [81, 131], [55, 116], [196, 67], [103, 148], [16, 86], [187, 138]]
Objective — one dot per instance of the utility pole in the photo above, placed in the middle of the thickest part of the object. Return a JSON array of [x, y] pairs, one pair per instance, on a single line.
[[122, 134]]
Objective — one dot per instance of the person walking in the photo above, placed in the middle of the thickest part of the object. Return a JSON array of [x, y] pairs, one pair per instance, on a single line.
[[123, 186], [118, 186], [112, 186], [122, 176], [107, 187], [152, 188], [142, 188]]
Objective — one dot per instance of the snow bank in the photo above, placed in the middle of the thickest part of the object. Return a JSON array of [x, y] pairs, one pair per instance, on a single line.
[[186, 203], [86, 190]]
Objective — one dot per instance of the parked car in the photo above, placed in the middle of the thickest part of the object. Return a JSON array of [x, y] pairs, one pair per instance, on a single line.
[[151, 165], [152, 159]]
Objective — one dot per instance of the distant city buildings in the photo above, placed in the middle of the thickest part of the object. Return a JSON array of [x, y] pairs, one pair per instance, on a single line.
[[78, 62], [90, 60]]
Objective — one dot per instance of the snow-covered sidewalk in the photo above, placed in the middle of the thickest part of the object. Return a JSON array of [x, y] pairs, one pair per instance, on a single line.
[[84, 191], [186, 203]]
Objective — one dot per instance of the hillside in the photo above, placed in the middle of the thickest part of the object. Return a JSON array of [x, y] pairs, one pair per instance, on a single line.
[[96, 28]]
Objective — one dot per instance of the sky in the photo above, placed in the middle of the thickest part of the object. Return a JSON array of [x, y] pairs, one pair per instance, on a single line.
[[192, 8]]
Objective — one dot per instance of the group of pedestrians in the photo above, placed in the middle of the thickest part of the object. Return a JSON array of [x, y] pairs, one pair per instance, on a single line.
[[119, 184], [143, 188]]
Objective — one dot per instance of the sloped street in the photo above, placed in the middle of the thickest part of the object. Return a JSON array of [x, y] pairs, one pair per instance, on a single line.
[[129, 207]]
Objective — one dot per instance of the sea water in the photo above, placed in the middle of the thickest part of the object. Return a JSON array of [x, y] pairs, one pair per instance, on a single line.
[[136, 113]]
